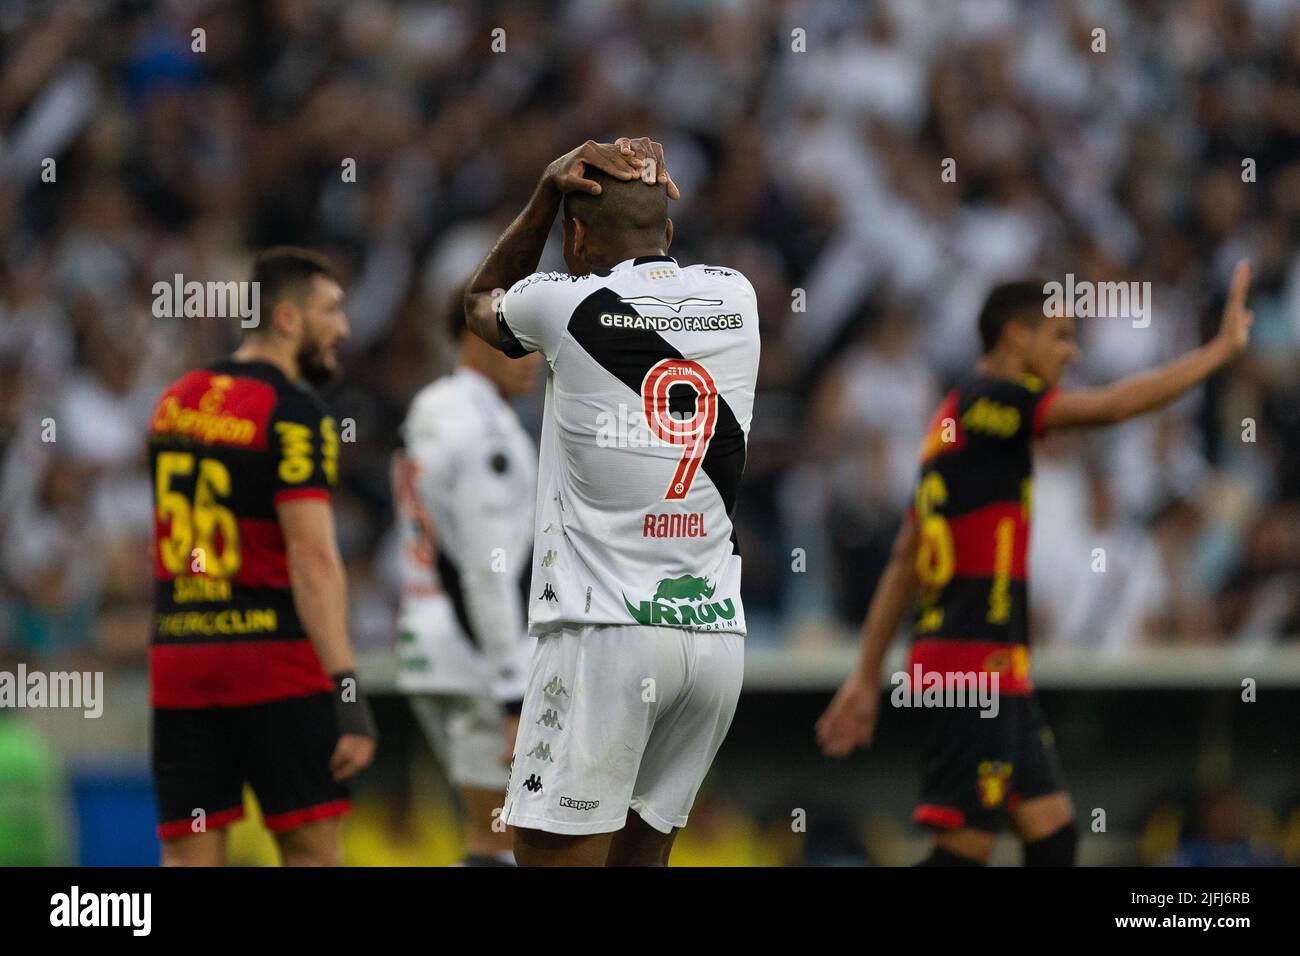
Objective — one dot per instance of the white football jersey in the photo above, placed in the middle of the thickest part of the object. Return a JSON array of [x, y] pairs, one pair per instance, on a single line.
[[463, 494], [648, 405]]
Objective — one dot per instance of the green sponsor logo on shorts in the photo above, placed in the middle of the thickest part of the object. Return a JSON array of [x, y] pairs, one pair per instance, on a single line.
[[684, 602]]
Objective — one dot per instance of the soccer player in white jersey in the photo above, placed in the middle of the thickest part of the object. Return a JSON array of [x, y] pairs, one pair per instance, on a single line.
[[635, 599], [463, 491]]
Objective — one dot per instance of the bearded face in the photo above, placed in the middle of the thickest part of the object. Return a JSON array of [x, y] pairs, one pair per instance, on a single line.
[[318, 363], [325, 326]]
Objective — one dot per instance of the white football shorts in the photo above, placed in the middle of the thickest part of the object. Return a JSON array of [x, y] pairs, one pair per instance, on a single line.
[[468, 736], [620, 717]]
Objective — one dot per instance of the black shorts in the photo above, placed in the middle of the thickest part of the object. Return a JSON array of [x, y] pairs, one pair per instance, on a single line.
[[977, 768], [282, 749]]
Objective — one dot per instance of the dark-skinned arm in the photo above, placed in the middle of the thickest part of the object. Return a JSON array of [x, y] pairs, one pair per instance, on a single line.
[[516, 254]]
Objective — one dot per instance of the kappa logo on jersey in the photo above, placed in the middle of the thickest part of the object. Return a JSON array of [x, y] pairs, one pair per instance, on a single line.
[[548, 560], [579, 804], [533, 783], [555, 687], [675, 304], [684, 602], [550, 719], [542, 752], [548, 593]]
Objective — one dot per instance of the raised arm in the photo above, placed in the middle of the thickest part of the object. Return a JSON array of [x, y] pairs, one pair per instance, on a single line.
[[1147, 391], [519, 249]]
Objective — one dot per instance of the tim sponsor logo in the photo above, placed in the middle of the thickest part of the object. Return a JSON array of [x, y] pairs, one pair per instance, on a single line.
[[74, 908]]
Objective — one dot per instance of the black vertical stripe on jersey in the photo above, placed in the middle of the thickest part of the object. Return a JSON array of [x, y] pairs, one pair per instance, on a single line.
[[628, 354], [449, 574]]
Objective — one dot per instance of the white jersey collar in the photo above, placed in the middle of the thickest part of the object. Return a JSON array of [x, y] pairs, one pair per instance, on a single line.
[[641, 261]]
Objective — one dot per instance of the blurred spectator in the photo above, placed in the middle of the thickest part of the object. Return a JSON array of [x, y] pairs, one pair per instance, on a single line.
[[1219, 834], [391, 135]]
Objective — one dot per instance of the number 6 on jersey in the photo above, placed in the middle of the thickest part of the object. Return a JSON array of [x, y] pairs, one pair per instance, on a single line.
[[695, 431]]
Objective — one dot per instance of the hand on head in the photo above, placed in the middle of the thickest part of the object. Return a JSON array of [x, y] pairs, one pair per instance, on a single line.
[[624, 159]]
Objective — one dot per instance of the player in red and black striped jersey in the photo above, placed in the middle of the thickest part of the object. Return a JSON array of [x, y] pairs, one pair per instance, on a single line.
[[971, 510], [252, 678], [960, 562]]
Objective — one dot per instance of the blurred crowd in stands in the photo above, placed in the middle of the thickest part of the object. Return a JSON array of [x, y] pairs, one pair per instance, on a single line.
[[1116, 141]]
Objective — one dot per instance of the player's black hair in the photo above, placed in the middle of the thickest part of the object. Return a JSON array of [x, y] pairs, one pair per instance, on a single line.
[[622, 207], [283, 271], [1011, 301]]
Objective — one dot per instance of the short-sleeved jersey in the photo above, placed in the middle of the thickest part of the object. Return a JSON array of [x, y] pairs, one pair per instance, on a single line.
[[972, 511], [464, 485], [648, 406], [227, 443]]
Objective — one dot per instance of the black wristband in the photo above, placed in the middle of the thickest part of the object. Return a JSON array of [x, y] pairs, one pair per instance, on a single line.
[[351, 709], [514, 707]]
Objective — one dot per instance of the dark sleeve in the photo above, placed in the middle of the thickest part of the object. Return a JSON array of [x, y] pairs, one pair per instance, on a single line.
[[511, 346], [304, 446]]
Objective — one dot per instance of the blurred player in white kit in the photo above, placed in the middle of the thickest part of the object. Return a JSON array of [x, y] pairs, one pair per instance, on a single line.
[[463, 492]]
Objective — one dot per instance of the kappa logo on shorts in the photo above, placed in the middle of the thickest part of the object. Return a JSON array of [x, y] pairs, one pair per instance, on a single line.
[[542, 752], [550, 719], [555, 687], [533, 783], [579, 804], [548, 593]]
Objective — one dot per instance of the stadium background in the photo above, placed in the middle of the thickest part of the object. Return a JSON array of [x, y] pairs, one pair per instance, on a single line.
[[817, 173]]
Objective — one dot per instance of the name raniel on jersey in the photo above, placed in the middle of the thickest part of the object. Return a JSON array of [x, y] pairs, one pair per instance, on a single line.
[[227, 444], [972, 510]]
